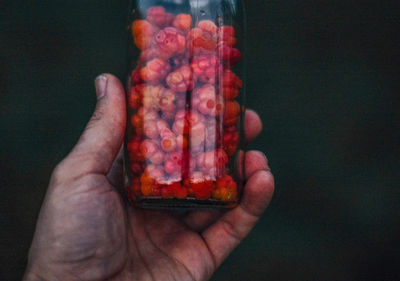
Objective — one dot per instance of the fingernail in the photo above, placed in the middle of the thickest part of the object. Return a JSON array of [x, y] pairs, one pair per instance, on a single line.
[[101, 86]]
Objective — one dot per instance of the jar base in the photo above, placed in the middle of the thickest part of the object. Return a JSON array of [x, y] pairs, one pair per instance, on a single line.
[[163, 204]]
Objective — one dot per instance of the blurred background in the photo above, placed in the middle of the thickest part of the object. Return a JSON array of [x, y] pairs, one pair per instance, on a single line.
[[324, 76]]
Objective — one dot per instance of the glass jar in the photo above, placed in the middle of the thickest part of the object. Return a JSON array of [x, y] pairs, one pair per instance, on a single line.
[[185, 103]]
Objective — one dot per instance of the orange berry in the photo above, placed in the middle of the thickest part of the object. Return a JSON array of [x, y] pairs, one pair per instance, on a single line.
[[183, 22], [217, 193], [228, 195], [136, 121], [146, 180], [143, 32], [208, 26], [147, 189]]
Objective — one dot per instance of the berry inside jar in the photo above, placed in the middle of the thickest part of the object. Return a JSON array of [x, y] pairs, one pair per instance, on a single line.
[[184, 115]]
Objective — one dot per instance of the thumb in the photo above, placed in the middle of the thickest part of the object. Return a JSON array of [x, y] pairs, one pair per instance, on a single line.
[[103, 135]]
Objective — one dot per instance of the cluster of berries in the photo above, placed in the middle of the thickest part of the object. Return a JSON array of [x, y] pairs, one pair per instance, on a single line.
[[183, 129]]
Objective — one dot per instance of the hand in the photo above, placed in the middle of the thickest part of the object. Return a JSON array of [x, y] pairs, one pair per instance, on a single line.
[[85, 231]]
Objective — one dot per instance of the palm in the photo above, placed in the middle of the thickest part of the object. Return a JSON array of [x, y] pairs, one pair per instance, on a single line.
[[164, 248], [162, 245]]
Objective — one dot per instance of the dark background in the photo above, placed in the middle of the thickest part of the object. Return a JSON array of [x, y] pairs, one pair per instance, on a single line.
[[324, 76]]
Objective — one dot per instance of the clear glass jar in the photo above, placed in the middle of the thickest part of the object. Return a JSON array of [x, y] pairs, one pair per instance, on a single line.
[[185, 103]]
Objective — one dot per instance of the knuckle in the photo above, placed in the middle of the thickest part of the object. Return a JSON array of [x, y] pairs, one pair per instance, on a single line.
[[232, 231], [59, 172]]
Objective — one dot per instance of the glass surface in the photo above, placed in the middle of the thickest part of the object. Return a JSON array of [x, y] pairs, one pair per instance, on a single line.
[[185, 93]]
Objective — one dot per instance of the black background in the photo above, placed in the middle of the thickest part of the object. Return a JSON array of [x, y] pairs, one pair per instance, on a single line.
[[324, 76]]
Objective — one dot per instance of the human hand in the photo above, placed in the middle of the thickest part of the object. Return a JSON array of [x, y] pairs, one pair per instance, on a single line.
[[85, 230]]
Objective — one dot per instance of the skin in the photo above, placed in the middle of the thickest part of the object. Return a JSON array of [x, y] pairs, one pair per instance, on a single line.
[[86, 231]]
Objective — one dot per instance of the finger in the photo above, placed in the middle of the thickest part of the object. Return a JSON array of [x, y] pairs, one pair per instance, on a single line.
[[225, 234], [199, 220], [255, 161], [116, 175], [103, 136], [253, 125]]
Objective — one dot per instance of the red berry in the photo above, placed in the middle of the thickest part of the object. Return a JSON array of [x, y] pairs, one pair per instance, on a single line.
[[230, 142], [136, 121], [173, 162], [230, 84], [147, 114], [162, 126], [169, 41], [168, 143], [135, 186], [148, 148], [181, 80], [158, 16], [180, 127], [191, 124], [226, 189], [135, 77], [177, 190], [179, 163], [151, 98], [212, 163], [169, 19], [197, 134], [184, 119], [137, 168], [167, 102], [181, 193], [181, 142], [197, 150], [226, 33], [133, 147], [232, 109], [156, 172], [151, 151], [150, 129], [157, 158], [166, 192], [220, 157], [206, 68], [232, 113], [206, 101], [170, 167], [147, 55], [199, 186], [135, 96], [157, 190], [213, 134], [200, 41], [154, 71], [208, 27], [143, 32], [203, 190], [229, 55], [181, 102], [183, 22], [193, 117]]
